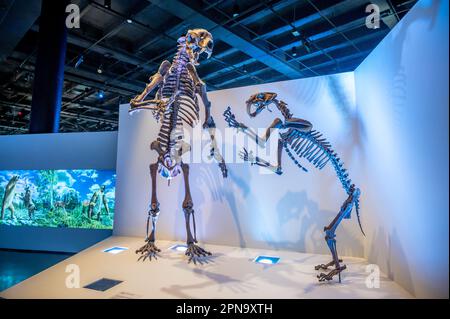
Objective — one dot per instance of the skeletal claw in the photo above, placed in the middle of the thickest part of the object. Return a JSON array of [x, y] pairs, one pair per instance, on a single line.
[[331, 274], [149, 250], [197, 254], [323, 277], [325, 266], [321, 266]]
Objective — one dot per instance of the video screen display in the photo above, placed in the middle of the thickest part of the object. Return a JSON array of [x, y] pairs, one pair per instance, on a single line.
[[58, 198]]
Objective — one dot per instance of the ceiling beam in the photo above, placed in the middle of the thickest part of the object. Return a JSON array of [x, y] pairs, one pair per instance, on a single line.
[[334, 10], [64, 114], [265, 12], [85, 77], [101, 49], [16, 23], [303, 22], [314, 37], [188, 14]]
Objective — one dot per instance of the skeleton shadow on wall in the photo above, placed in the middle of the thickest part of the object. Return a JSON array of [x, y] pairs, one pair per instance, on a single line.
[[296, 207], [350, 115], [221, 190]]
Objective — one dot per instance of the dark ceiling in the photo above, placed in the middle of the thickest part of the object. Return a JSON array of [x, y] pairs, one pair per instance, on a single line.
[[255, 42]]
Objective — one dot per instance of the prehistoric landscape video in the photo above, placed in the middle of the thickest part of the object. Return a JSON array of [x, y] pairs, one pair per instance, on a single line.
[[58, 198]]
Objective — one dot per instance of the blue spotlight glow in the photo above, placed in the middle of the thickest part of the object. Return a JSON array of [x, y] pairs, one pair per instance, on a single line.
[[101, 94], [267, 260], [295, 33], [179, 248], [79, 61], [115, 250]]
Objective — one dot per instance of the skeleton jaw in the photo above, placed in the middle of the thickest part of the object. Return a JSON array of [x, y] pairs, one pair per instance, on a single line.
[[260, 101]]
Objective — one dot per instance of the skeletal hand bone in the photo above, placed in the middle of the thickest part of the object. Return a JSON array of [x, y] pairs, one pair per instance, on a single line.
[[209, 123], [149, 250], [247, 156], [230, 118], [196, 254]]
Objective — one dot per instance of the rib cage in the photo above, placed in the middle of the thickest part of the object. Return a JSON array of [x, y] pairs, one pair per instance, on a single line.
[[317, 151], [179, 88]]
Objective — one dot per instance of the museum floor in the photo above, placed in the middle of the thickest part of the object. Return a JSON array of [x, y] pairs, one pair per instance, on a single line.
[[18, 265], [231, 273]]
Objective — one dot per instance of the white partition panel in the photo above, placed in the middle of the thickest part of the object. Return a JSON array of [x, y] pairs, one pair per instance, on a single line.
[[249, 208], [403, 102]]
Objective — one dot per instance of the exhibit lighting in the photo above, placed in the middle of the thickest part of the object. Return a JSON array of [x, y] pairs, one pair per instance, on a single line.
[[115, 250], [295, 33], [100, 94], [79, 61], [129, 21], [107, 4], [179, 248], [100, 69], [294, 51], [235, 10], [267, 260]]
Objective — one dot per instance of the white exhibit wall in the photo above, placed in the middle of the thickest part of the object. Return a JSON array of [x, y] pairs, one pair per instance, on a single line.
[[249, 208], [403, 104], [95, 150]]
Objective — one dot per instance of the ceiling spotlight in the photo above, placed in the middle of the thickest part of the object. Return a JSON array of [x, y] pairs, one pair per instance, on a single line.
[[79, 61], [294, 51], [100, 94], [100, 69], [107, 4], [235, 10], [129, 21], [295, 33]]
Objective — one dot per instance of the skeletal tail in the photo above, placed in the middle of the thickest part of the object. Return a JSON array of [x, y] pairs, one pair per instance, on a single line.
[[357, 215]]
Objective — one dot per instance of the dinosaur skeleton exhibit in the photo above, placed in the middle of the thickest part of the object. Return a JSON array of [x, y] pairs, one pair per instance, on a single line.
[[176, 105], [300, 141]]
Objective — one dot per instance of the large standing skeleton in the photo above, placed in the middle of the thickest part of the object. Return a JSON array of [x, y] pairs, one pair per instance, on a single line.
[[300, 141], [176, 105]]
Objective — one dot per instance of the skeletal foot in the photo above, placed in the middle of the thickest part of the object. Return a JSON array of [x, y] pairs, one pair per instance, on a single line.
[[325, 266], [329, 276], [149, 250], [196, 253]]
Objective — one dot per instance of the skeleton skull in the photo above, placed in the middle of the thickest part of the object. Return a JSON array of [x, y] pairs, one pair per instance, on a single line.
[[198, 41], [260, 101]]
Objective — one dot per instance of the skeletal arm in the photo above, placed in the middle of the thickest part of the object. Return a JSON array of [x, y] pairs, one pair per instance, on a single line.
[[209, 124], [255, 160], [155, 80], [261, 141]]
